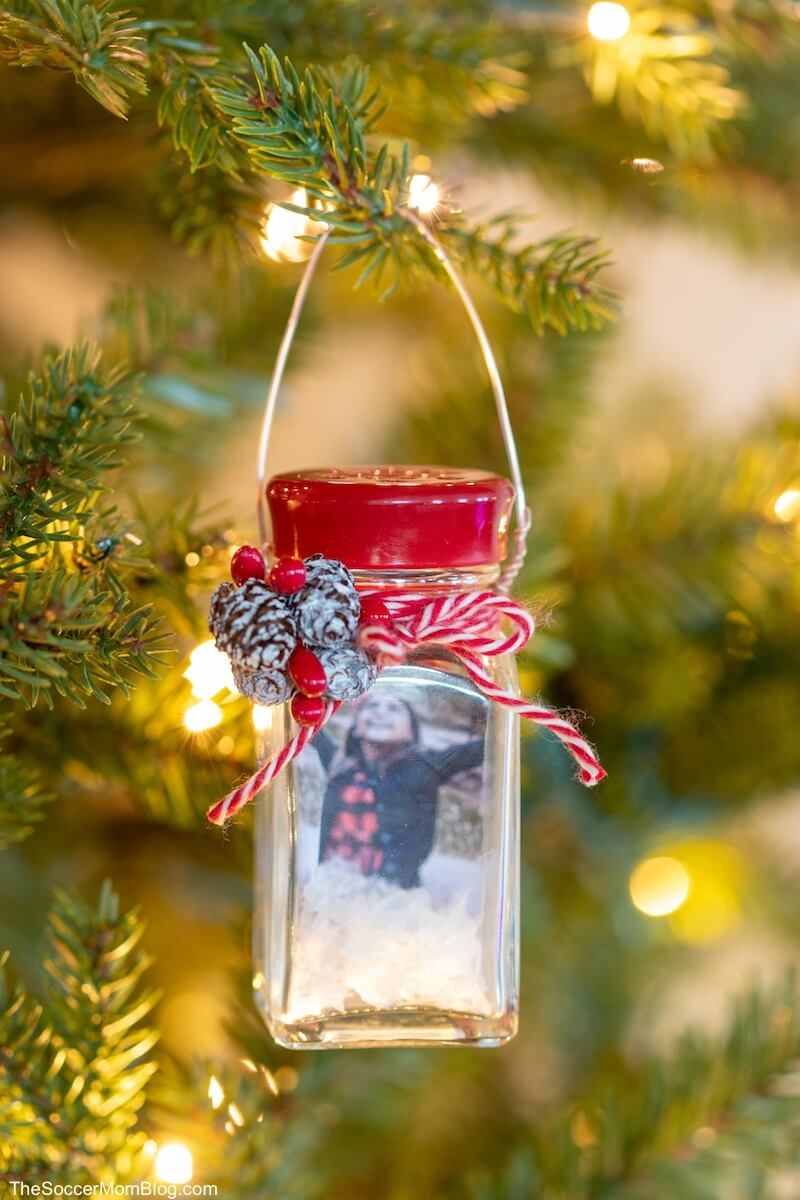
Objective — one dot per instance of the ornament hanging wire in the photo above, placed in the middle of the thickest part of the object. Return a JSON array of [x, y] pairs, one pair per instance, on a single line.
[[523, 517]]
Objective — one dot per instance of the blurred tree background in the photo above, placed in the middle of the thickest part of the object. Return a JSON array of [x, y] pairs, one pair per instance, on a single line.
[[147, 269]]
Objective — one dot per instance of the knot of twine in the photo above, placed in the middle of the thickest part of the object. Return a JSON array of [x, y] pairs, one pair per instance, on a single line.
[[470, 626]]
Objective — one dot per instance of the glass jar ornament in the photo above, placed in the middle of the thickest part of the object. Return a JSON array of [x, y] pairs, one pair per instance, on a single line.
[[382, 638], [387, 882]]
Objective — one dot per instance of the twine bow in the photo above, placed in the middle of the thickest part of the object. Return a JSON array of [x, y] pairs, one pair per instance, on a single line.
[[469, 624]]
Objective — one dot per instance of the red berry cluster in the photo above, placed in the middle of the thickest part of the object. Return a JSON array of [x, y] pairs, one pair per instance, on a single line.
[[287, 576]]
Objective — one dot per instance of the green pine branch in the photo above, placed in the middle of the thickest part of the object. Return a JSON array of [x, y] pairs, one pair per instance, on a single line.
[[686, 1125], [316, 130], [447, 61], [74, 1066], [103, 47], [666, 75], [752, 29], [686, 609], [22, 799], [256, 1142], [58, 443], [466, 61], [554, 282], [67, 624], [143, 758]]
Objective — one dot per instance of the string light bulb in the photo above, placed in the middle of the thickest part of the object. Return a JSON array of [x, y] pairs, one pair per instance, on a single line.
[[202, 716], [215, 1092], [236, 1115], [209, 671], [607, 21], [284, 229], [659, 886], [262, 718], [423, 194], [787, 505], [174, 1163]]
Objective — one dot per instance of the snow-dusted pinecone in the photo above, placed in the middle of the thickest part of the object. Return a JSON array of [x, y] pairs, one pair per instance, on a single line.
[[350, 672], [218, 605], [264, 687], [327, 608], [254, 626]]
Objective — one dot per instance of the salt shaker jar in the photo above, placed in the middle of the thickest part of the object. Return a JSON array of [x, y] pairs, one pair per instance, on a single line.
[[387, 853]]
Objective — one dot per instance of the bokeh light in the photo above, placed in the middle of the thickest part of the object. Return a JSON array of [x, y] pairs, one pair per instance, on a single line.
[[236, 1114], [659, 886], [209, 671], [215, 1093], [698, 884], [262, 717], [719, 882], [202, 716], [646, 166], [283, 230], [787, 505], [174, 1163], [423, 194], [608, 22]]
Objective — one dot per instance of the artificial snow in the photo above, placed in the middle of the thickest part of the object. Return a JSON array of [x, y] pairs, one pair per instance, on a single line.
[[360, 941]]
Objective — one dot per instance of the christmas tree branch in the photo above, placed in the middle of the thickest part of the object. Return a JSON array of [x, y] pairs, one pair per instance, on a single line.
[[445, 60], [317, 131], [689, 1122], [104, 48], [256, 1141], [665, 75], [22, 798], [554, 281], [74, 1067], [66, 621], [716, 1118], [144, 758]]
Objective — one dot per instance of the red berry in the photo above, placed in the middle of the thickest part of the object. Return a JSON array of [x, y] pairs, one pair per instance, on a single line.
[[307, 710], [307, 672], [247, 563], [374, 612], [288, 575]]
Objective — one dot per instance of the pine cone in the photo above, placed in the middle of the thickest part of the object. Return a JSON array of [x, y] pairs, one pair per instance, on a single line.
[[350, 672], [327, 608], [216, 609], [264, 687], [253, 625]]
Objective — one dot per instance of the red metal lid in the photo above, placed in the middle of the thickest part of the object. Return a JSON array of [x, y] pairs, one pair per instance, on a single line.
[[372, 518]]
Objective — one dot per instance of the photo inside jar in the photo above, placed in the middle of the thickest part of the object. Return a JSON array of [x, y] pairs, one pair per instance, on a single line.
[[390, 842]]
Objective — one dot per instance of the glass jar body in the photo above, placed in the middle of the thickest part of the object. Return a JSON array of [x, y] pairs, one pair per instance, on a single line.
[[387, 867]]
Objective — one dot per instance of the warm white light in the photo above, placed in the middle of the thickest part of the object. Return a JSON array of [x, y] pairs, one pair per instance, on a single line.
[[262, 717], [150, 1148], [236, 1115], [201, 716], [423, 194], [608, 22], [174, 1163], [659, 886], [209, 671], [215, 1092], [647, 166], [787, 506], [283, 230]]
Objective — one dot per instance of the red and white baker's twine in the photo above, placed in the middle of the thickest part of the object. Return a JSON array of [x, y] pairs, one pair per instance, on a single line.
[[469, 624]]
